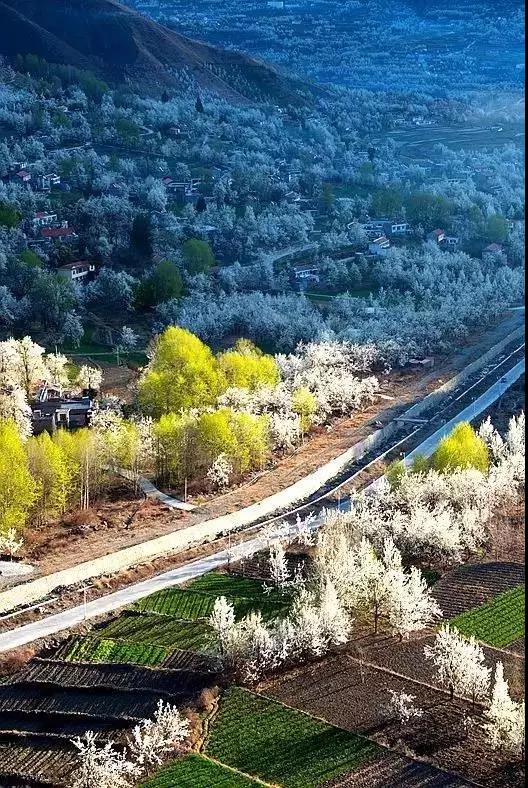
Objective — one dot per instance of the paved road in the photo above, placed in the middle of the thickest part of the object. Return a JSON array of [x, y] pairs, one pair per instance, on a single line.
[[106, 604]]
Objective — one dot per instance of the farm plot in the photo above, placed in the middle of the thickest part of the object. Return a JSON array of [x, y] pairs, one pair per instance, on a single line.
[[195, 771], [103, 676], [279, 745], [51, 766], [450, 736], [396, 771], [499, 622], [57, 726], [467, 587], [197, 601], [160, 631], [92, 649], [108, 705], [344, 693]]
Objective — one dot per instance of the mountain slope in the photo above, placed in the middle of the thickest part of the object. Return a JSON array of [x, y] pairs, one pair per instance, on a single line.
[[119, 44]]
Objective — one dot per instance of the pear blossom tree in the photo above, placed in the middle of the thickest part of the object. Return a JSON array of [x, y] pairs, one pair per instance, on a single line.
[[505, 717], [102, 767], [89, 378], [222, 622], [10, 542], [278, 566], [401, 704], [220, 472], [459, 664], [154, 738]]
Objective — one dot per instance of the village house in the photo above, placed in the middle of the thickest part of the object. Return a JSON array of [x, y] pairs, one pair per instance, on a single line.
[[292, 197], [396, 228], [43, 219], [184, 191], [306, 272], [46, 182], [451, 242], [78, 271], [379, 246], [55, 412], [62, 233], [437, 236], [22, 176]]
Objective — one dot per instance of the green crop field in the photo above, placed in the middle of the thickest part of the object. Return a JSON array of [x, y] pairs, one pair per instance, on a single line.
[[160, 631], [106, 650], [197, 601], [497, 623], [194, 771], [266, 739]]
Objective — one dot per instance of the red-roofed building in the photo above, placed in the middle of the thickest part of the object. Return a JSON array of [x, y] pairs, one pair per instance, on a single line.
[[62, 233], [22, 176], [437, 235]]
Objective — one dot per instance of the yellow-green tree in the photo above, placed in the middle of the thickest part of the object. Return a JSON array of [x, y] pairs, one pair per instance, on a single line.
[[87, 458], [461, 449], [182, 374], [18, 489], [246, 366], [305, 405], [214, 436], [253, 440], [50, 468], [175, 447]]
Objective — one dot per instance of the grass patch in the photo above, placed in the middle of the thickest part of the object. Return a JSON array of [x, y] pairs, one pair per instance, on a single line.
[[280, 745], [195, 771], [498, 622], [114, 651]]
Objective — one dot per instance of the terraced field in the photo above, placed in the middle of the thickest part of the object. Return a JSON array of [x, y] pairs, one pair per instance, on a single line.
[[396, 771], [195, 771], [281, 746], [197, 601], [113, 651], [467, 587], [50, 766], [497, 623], [158, 630]]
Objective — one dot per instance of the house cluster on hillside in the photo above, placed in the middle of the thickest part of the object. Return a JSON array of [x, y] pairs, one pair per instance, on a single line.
[[45, 228]]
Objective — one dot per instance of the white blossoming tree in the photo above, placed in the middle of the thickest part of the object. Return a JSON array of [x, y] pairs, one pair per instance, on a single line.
[[278, 565], [10, 542], [219, 474], [401, 704], [153, 738], [222, 622], [89, 378], [102, 767], [459, 663], [505, 717]]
